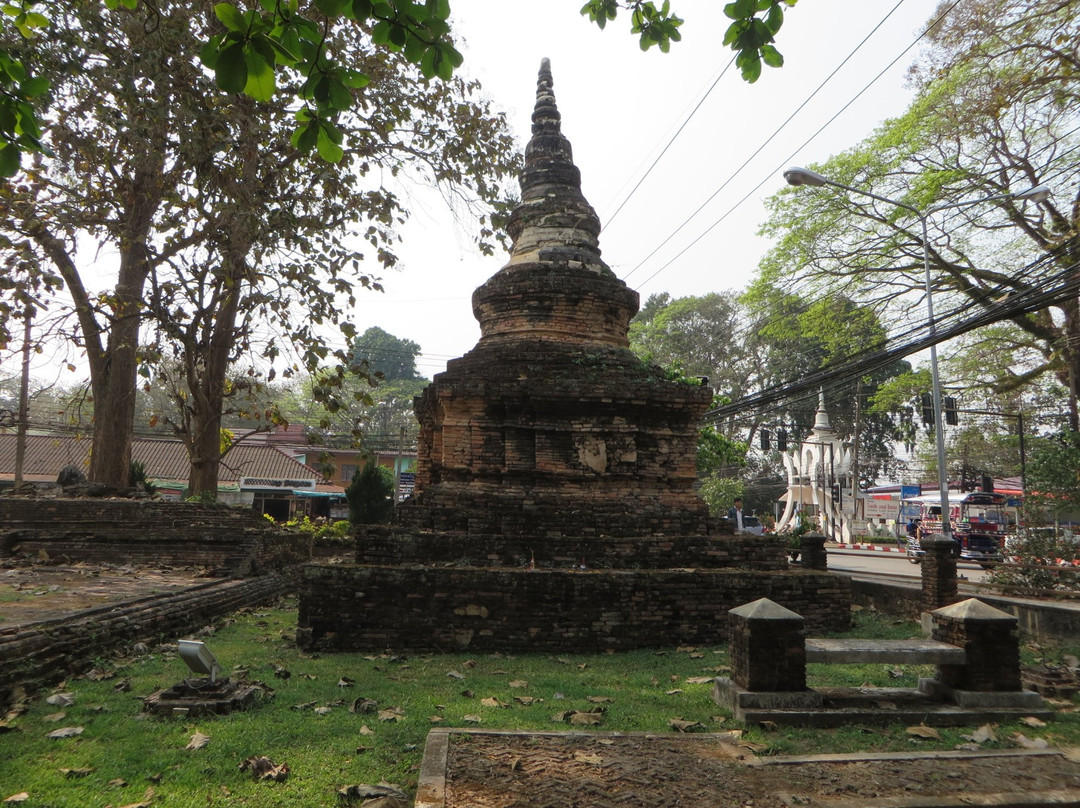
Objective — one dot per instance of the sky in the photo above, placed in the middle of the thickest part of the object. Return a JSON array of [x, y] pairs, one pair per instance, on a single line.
[[620, 108]]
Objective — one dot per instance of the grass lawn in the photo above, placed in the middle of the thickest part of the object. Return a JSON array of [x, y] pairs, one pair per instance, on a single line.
[[123, 757]]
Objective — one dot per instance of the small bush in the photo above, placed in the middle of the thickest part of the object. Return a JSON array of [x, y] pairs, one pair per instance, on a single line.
[[371, 495], [1039, 561]]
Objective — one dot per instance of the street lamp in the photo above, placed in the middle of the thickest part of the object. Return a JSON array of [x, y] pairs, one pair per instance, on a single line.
[[802, 176]]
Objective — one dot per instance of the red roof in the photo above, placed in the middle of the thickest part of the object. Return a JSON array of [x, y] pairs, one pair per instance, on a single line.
[[163, 459]]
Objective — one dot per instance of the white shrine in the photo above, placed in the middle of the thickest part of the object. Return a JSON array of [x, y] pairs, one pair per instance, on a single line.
[[813, 468]]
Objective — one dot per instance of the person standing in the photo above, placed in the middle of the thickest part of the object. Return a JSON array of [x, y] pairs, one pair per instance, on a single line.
[[735, 514]]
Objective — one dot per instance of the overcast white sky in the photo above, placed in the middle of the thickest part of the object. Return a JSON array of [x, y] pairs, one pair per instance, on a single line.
[[620, 107]]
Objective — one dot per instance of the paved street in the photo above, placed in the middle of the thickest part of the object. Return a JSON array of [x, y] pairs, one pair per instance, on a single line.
[[892, 563]]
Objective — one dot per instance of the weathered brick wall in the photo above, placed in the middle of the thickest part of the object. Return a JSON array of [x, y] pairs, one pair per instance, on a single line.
[[227, 541], [37, 654], [380, 544], [353, 607]]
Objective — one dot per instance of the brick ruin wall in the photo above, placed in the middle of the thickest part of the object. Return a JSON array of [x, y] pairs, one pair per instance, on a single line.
[[377, 544], [367, 607], [34, 655], [224, 540]]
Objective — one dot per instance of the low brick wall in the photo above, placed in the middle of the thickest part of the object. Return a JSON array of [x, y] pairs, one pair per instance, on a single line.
[[392, 545], [227, 541], [353, 607], [1038, 620], [38, 654]]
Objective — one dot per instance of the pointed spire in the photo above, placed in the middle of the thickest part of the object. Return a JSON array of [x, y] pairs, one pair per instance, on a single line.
[[821, 421], [554, 219]]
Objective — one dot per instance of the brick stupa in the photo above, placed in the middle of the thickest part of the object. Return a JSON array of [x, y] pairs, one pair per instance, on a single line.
[[554, 507], [551, 426]]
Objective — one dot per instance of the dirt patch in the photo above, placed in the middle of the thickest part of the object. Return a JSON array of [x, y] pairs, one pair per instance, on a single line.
[[512, 771], [33, 591]]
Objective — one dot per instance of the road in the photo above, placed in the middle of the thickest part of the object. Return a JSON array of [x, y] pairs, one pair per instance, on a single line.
[[877, 562]]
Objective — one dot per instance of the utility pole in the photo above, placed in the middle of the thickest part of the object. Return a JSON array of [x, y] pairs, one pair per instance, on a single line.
[[24, 401], [855, 455]]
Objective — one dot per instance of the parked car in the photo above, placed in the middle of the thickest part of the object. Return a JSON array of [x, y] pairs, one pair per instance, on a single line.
[[751, 524]]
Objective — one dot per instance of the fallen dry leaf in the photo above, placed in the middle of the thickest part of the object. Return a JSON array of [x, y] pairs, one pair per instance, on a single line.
[[66, 732], [307, 705], [674, 692], [198, 740], [591, 758], [922, 731], [491, 701], [435, 719], [118, 782], [263, 768], [455, 675], [682, 725], [981, 735], [123, 686], [345, 681], [1031, 743], [1032, 721], [700, 680], [1071, 753], [768, 726], [22, 796], [585, 719], [364, 706], [323, 710], [469, 663], [391, 714], [61, 699], [52, 718], [472, 718], [519, 684], [384, 795], [525, 701], [73, 774], [600, 700], [366, 730]]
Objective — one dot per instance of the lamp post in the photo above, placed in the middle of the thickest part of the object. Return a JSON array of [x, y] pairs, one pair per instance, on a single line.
[[802, 176]]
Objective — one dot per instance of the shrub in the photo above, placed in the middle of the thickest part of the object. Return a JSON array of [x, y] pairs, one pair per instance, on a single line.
[[371, 495]]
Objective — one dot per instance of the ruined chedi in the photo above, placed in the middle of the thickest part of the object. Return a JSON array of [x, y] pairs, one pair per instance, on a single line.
[[554, 507], [551, 426]]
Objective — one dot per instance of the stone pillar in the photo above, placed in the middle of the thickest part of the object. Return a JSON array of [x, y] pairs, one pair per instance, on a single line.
[[939, 584], [990, 639], [768, 648], [814, 556]]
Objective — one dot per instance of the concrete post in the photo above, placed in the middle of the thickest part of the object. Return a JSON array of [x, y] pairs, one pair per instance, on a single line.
[[768, 648], [814, 555], [939, 584]]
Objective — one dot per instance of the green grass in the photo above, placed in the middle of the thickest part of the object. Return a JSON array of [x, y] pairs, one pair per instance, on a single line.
[[328, 752]]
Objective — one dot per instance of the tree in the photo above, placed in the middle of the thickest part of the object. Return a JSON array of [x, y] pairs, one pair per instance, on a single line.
[[229, 243], [995, 111], [253, 47], [388, 357], [371, 495]]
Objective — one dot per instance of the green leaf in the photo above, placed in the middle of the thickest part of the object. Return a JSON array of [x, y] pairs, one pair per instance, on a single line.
[[34, 87], [231, 69], [775, 18], [260, 83], [751, 69], [10, 158], [330, 151], [771, 56], [354, 79], [340, 97], [305, 138], [332, 8], [230, 17]]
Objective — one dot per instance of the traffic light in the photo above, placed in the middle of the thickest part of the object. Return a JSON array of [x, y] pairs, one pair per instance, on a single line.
[[927, 401], [781, 440], [765, 445], [837, 493], [950, 411]]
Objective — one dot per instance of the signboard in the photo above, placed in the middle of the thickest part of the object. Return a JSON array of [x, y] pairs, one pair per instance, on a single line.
[[406, 483], [274, 484], [875, 509], [907, 491]]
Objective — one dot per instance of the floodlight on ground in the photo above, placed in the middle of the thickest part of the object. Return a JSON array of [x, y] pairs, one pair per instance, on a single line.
[[198, 658]]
